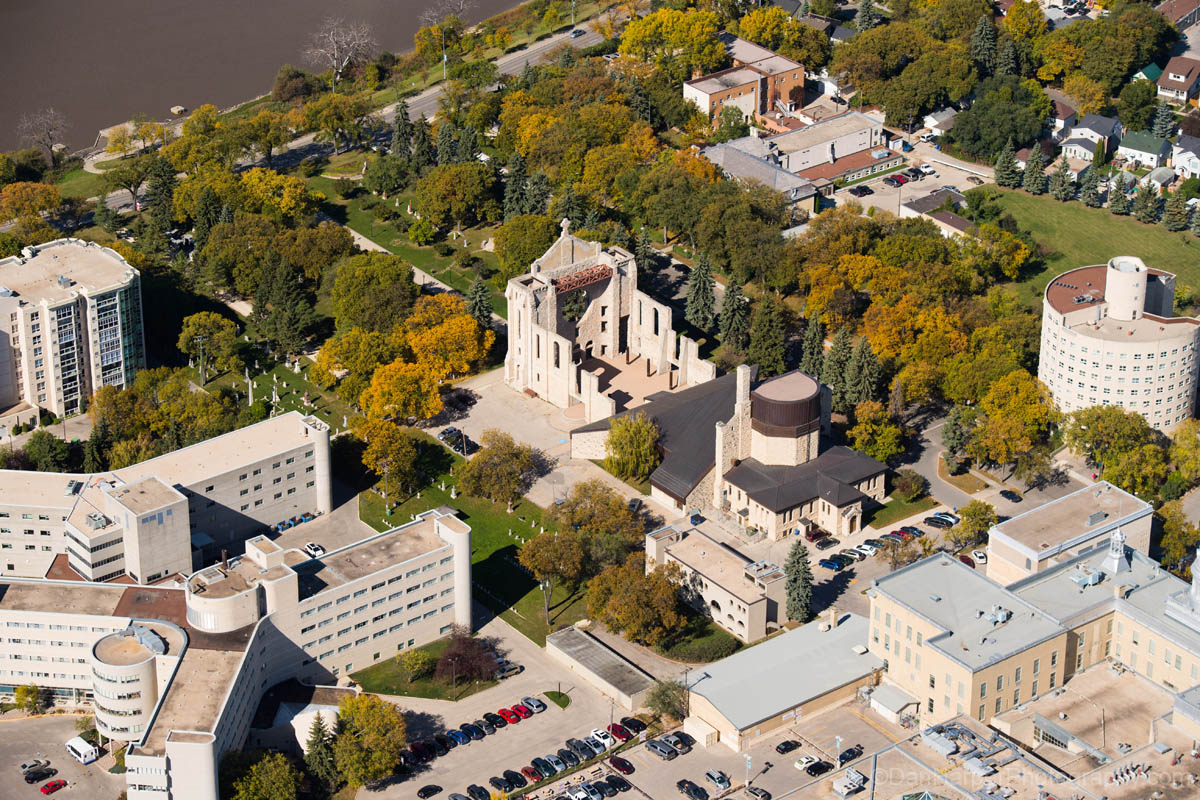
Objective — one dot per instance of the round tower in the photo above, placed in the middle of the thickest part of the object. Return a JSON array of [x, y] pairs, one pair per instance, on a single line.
[[1125, 287], [785, 420]]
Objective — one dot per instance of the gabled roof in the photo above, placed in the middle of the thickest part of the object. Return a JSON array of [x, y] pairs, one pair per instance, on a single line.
[[1105, 126], [1143, 142], [1061, 110], [1175, 10], [829, 476], [1151, 71], [1085, 144], [742, 165], [1188, 144], [1189, 68]]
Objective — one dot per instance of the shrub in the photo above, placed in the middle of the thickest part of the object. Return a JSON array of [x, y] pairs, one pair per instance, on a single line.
[[909, 485], [292, 84], [384, 212], [346, 188], [705, 649], [444, 249]]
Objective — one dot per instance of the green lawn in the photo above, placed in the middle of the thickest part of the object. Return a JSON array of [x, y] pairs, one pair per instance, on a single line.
[[499, 582], [964, 481], [80, 183], [702, 641], [560, 699], [895, 510], [1077, 236], [388, 677]]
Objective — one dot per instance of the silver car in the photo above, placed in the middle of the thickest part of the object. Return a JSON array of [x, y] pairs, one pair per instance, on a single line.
[[674, 741], [662, 750]]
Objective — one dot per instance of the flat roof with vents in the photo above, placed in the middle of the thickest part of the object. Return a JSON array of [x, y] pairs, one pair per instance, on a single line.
[[1070, 520]]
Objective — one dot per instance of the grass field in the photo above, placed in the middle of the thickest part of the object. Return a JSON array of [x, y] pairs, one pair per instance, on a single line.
[[388, 677], [80, 183], [965, 481], [895, 510], [1078, 236]]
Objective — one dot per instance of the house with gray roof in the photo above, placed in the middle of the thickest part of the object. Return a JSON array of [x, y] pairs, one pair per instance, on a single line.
[[743, 166], [1185, 156], [1097, 128], [1080, 148]]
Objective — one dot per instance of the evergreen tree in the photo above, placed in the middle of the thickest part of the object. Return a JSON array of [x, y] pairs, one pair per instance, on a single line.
[[1062, 186], [160, 197], [447, 144], [591, 220], [643, 252], [468, 144], [1034, 180], [1195, 222], [863, 374], [105, 217], [1175, 212], [479, 303], [1163, 125], [1145, 205], [983, 46], [528, 76], [537, 192], [1118, 200], [208, 212], [1008, 174], [95, 452], [570, 204], [734, 321], [867, 17], [835, 368], [285, 311], [812, 354], [799, 580], [402, 131], [514, 188], [318, 753], [1007, 62], [226, 214], [423, 155], [768, 339], [804, 8], [701, 304], [1089, 188]]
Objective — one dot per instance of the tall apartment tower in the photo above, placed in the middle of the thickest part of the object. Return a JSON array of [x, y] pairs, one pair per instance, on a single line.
[[70, 322]]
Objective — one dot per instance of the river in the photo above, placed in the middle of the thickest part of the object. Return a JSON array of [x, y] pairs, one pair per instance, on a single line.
[[101, 62]]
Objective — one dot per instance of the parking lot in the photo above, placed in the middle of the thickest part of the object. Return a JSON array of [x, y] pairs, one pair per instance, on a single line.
[[950, 172], [46, 737]]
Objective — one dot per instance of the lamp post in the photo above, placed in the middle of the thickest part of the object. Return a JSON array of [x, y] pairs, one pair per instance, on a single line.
[[442, 28], [748, 759]]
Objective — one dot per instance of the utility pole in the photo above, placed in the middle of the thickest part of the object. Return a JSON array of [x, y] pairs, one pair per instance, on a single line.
[[572, 13]]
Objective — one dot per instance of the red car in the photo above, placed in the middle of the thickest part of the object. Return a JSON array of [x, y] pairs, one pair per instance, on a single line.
[[619, 733], [522, 711], [510, 716], [900, 179], [621, 765], [53, 786], [531, 773], [967, 561]]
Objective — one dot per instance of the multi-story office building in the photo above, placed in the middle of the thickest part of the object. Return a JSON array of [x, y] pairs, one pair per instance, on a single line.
[[171, 514], [177, 670], [1109, 338], [74, 324]]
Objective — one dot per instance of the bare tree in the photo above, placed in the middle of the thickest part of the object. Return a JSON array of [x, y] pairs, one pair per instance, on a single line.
[[339, 45], [439, 11], [43, 129]]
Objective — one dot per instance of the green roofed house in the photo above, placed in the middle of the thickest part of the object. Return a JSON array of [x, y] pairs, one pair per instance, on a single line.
[[1144, 148], [1150, 72]]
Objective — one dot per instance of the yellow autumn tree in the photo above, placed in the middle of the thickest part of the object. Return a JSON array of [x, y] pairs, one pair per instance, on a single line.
[[401, 391]]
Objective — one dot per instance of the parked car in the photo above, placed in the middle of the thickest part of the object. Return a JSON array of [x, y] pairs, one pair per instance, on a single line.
[[619, 733], [533, 704], [597, 747], [691, 790], [974, 181], [890, 181], [928, 170], [40, 774], [602, 788], [509, 715], [979, 556], [605, 738], [485, 726], [473, 732], [633, 724], [458, 737], [619, 783], [422, 751], [900, 178], [532, 772], [914, 174], [815, 534], [508, 670], [849, 754], [477, 792], [1010, 495], [496, 720], [499, 784], [542, 766], [580, 749], [967, 561], [522, 711], [556, 762], [428, 791], [827, 542], [946, 515], [313, 549], [514, 778], [803, 761], [830, 564], [621, 765], [34, 763], [446, 434], [575, 34], [663, 751], [866, 549], [846, 560], [818, 768], [938, 522], [54, 786], [915, 531], [718, 779], [757, 793], [569, 757], [786, 746], [876, 543], [442, 744], [926, 138], [852, 553], [860, 191]]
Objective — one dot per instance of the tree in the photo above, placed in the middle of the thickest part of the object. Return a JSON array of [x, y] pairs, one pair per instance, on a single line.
[[1163, 125], [1118, 200], [1175, 212], [1062, 186], [1141, 471], [1091, 97], [1185, 449], [909, 484], [447, 149], [632, 446], [553, 558], [1089, 188], [1136, 108], [128, 174], [416, 662], [29, 203], [813, 348], [43, 128], [95, 452], [733, 324], [1195, 222], [833, 372], [272, 777], [28, 698], [386, 175], [701, 303], [731, 124], [1007, 62], [283, 311], [574, 305], [1008, 174], [768, 338], [956, 433], [402, 391], [1179, 534], [799, 582], [46, 452], [1034, 179], [465, 657], [267, 131], [514, 188], [391, 452], [522, 240], [402, 132], [337, 46], [608, 529], [423, 154], [667, 699], [874, 433], [462, 194], [1014, 416], [479, 303], [318, 752], [212, 340], [501, 471], [867, 16], [863, 373], [642, 606], [975, 519], [372, 291], [983, 46], [339, 120], [371, 736], [1145, 205], [680, 42]]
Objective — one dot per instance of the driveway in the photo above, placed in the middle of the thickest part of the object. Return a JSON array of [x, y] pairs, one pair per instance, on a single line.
[[46, 737]]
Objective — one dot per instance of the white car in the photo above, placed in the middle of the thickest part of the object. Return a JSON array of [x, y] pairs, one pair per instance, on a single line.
[[946, 515], [927, 137], [803, 762], [865, 549], [315, 550], [927, 170], [979, 556], [605, 738]]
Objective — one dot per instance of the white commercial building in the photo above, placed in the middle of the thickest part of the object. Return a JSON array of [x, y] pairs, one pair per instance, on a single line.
[[74, 312], [177, 670], [171, 514], [1109, 338]]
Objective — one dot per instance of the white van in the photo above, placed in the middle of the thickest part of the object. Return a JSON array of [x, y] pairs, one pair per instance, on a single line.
[[82, 752]]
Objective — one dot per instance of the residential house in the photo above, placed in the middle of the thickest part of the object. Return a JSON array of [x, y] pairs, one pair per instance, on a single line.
[[1151, 72], [933, 207], [940, 122], [1180, 80], [1098, 129], [1062, 119], [1144, 148], [1080, 149], [1046, 146], [846, 147], [1180, 13], [764, 169], [1185, 156], [1159, 178]]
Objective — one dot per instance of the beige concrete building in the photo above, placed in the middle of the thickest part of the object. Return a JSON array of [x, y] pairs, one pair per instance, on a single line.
[[1060, 530], [848, 146], [177, 670], [620, 332], [745, 597], [74, 312], [171, 514], [1109, 338]]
